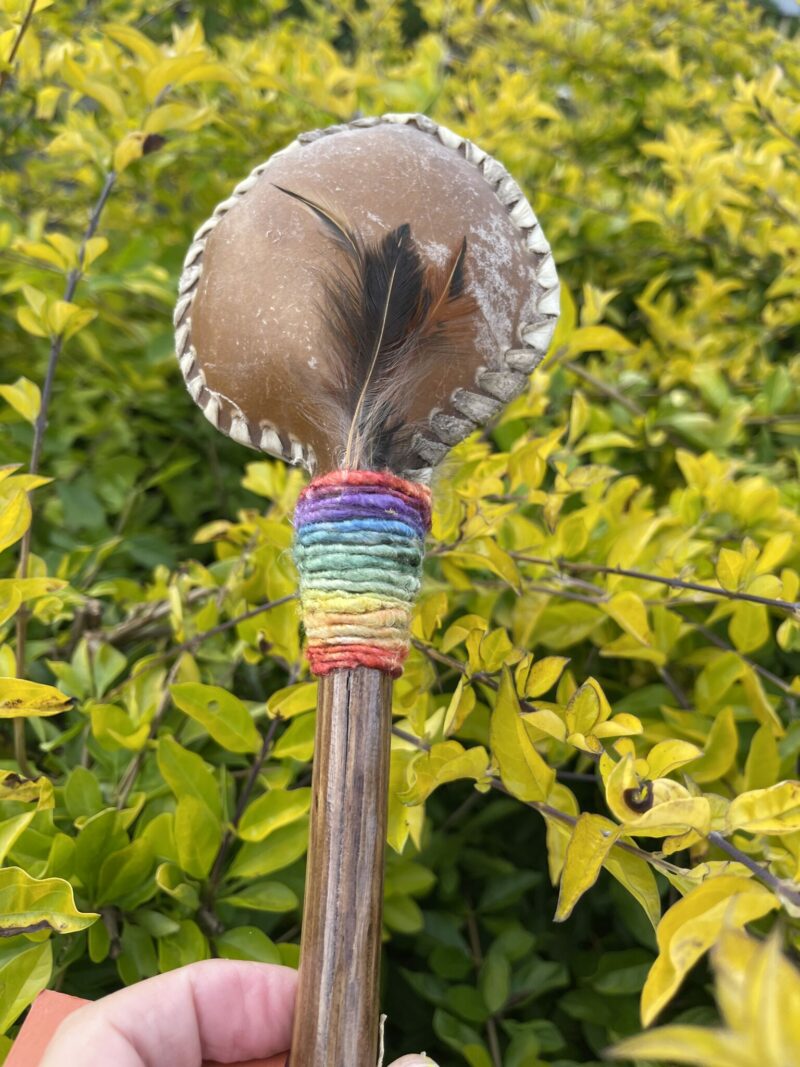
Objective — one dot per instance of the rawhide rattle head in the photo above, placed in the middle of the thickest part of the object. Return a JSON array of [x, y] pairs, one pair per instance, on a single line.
[[367, 297]]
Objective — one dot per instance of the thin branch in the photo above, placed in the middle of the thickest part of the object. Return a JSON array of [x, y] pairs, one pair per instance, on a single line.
[[12, 55], [714, 639], [143, 617], [477, 958], [553, 813], [792, 607], [193, 643], [229, 836], [56, 344], [674, 688], [778, 886], [605, 388]]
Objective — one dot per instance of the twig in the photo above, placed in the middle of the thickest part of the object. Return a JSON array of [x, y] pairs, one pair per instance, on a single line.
[[792, 607], [244, 798], [604, 387], [764, 874], [12, 55], [194, 642], [766, 674], [547, 809], [477, 956], [129, 777], [134, 766], [674, 688], [144, 616], [56, 344]]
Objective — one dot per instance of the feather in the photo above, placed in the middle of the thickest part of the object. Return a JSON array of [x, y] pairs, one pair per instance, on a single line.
[[389, 317]]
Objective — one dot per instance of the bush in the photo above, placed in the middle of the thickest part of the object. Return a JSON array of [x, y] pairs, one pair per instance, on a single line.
[[605, 669]]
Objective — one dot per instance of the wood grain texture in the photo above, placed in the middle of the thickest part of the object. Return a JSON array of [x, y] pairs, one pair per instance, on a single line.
[[337, 1014]]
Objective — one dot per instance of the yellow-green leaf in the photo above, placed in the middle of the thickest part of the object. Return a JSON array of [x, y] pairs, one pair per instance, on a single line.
[[522, 770], [628, 611], [15, 518], [692, 925], [685, 1044], [293, 700], [636, 875], [668, 756], [749, 627], [542, 676], [30, 699], [720, 751], [445, 762], [26, 790], [590, 843], [25, 970], [129, 149], [24, 397], [775, 810], [29, 904]]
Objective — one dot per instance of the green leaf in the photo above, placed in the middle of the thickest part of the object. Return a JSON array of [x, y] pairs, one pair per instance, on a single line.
[[187, 945], [247, 943], [263, 896], [494, 980], [271, 811], [82, 794], [188, 775], [99, 837], [280, 850], [224, 716], [28, 905], [125, 871], [24, 972], [10, 830], [198, 833], [296, 742]]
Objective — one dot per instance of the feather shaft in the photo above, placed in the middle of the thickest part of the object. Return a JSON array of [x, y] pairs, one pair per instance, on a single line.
[[371, 371]]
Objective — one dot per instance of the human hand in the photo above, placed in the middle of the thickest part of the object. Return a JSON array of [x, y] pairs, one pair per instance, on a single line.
[[222, 1010]]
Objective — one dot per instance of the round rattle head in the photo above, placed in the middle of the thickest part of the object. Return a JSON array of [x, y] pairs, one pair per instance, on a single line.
[[273, 294]]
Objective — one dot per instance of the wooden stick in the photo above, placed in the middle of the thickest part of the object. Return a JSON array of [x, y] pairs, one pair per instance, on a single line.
[[337, 1013]]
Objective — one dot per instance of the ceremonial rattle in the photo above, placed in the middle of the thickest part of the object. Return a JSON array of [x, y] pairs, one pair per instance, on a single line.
[[362, 302]]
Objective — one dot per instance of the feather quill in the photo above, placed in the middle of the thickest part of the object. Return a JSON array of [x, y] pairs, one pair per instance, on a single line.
[[389, 317]]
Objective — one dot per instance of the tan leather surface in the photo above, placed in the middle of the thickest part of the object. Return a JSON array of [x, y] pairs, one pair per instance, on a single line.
[[256, 324]]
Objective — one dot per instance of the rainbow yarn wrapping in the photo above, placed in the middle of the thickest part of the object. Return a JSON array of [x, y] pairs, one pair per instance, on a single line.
[[359, 544]]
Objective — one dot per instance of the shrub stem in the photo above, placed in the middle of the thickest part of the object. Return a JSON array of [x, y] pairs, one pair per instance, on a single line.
[[40, 426]]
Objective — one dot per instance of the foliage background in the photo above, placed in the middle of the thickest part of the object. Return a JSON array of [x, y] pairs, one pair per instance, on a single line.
[[659, 144]]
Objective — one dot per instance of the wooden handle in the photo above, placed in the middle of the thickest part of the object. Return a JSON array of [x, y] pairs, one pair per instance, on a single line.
[[337, 1013]]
